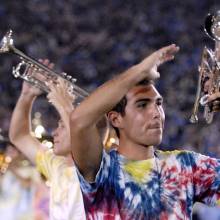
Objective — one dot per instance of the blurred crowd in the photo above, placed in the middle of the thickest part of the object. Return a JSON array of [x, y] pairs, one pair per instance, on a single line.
[[93, 40]]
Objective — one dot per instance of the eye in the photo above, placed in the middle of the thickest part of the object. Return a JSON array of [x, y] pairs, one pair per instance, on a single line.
[[62, 126], [160, 102], [142, 104]]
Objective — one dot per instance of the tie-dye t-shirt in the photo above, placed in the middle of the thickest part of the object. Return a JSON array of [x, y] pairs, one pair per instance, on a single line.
[[164, 187]]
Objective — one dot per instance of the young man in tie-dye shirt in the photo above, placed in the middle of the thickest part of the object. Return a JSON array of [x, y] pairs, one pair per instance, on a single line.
[[135, 181]]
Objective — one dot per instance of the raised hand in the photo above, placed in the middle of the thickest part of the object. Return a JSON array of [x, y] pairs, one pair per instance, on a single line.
[[27, 88], [62, 98], [214, 101], [150, 64], [30, 90]]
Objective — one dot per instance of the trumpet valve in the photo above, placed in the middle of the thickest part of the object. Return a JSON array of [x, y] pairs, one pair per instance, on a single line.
[[193, 119], [73, 80]]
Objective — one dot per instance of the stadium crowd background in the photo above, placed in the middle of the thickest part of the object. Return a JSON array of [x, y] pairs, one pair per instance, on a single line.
[[93, 40]]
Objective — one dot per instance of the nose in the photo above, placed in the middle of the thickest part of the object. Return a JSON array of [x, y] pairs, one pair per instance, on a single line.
[[157, 111]]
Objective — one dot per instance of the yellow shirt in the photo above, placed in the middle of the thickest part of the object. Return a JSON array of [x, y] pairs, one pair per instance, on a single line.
[[66, 202]]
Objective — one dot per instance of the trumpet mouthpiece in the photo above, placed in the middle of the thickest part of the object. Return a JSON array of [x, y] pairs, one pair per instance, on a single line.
[[6, 42]]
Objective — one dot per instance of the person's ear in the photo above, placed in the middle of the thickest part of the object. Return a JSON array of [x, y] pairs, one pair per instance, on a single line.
[[115, 119]]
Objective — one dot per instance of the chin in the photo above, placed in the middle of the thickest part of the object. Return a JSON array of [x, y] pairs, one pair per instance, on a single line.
[[55, 151], [62, 152], [157, 138], [154, 141], [158, 142]]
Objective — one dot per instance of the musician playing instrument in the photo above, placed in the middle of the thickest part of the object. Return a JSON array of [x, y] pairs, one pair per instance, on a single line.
[[57, 164], [209, 72]]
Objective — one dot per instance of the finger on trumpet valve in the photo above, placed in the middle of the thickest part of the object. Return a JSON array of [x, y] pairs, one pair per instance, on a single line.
[[216, 105], [69, 77], [73, 80], [64, 74]]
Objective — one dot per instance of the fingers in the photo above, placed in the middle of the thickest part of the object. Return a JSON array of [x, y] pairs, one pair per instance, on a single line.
[[216, 106], [62, 83], [170, 50], [149, 65], [214, 96], [214, 101], [51, 98], [167, 53], [46, 62], [58, 88]]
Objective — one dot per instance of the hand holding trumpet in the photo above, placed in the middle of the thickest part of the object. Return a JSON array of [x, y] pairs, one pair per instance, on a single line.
[[27, 88]]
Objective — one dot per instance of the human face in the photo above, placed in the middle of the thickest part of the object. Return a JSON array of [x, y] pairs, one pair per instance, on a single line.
[[207, 85], [144, 117], [61, 138]]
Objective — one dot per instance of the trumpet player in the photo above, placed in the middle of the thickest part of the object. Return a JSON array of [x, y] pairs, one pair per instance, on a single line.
[[136, 181], [207, 84], [209, 72], [56, 165]]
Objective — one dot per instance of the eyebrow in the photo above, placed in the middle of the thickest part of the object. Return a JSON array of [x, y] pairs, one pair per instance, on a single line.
[[148, 99], [143, 100]]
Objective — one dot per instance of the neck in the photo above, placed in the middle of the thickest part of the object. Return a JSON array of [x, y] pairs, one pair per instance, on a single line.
[[136, 151], [69, 159]]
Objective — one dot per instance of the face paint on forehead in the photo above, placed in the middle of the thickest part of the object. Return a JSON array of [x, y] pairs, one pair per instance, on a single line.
[[148, 90], [141, 90]]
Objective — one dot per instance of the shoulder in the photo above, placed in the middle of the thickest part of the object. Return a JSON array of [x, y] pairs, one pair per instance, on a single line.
[[48, 155], [182, 157], [186, 157], [48, 163], [175, 153]]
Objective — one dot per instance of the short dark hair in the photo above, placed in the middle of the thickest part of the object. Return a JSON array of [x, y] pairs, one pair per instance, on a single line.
[[121, 105]]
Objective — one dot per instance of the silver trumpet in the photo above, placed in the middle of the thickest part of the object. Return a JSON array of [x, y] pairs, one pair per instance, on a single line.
[[38, 75], [209, 70], [43, 73]]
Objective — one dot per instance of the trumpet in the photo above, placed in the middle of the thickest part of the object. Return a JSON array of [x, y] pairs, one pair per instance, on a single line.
[[209, 70], [38, 75]]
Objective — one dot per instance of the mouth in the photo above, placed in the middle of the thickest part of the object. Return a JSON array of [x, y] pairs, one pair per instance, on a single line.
[[55, 142], [158, 130], [155, 126]]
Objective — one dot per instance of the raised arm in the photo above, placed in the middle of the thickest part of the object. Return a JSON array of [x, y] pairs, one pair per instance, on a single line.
[[86, 142], [20, 127], [62, 99]]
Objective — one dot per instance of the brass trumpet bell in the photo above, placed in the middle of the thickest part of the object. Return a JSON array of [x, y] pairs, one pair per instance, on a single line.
[[212, 26]]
